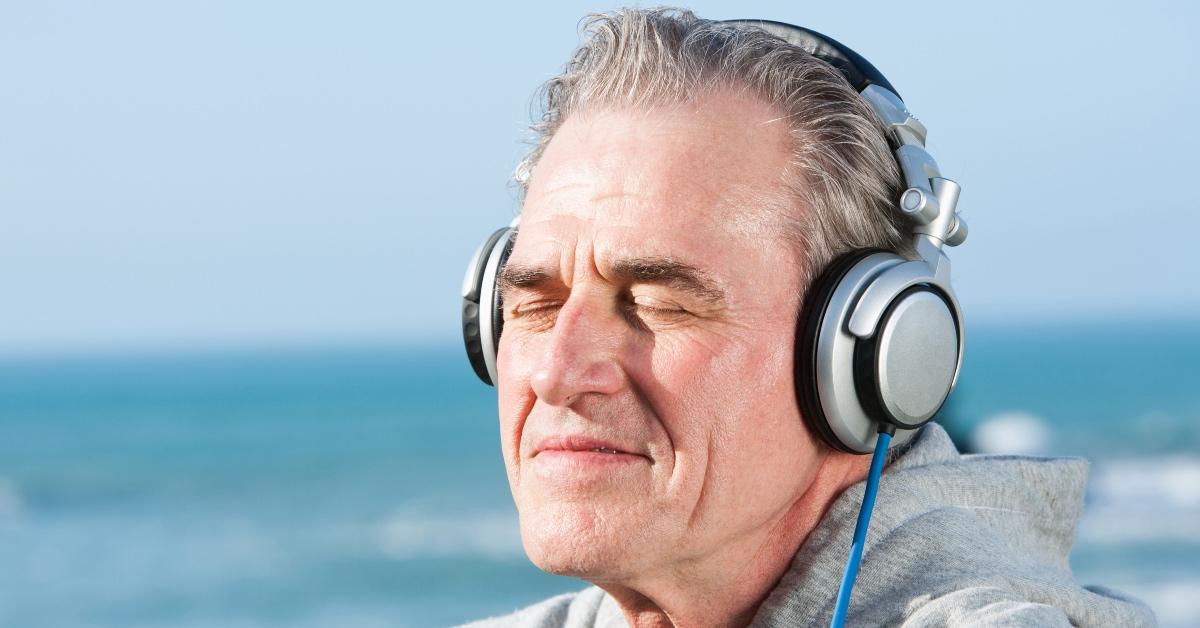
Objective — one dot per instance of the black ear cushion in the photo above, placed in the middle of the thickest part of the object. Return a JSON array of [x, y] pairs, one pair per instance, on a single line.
[[474, 345], [808, 325]]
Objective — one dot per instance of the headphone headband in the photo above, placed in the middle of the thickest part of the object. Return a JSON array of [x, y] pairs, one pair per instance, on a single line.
[[857, 70], [879, 337]]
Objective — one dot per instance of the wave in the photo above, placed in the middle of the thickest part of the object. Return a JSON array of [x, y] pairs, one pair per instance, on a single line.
[[1011, 433], [1143, 500], [1175, 602], [1171, 482], [11, 503], [408, 534]]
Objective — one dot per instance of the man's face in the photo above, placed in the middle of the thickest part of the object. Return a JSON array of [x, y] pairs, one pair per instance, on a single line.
[[650, 305]]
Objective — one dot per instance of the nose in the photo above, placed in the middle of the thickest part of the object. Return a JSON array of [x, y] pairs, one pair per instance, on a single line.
[[582, 354]]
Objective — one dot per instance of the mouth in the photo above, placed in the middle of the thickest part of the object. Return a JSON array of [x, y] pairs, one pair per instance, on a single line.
[[568, 444], [577, 458]]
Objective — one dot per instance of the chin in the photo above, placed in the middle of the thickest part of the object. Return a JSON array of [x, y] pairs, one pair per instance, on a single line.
[[573, 539]]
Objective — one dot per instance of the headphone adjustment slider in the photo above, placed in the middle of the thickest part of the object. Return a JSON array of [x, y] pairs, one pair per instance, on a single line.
[[946, 228]]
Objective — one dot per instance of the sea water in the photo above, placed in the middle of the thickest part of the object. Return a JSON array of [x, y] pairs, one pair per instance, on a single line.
[[364, 487]]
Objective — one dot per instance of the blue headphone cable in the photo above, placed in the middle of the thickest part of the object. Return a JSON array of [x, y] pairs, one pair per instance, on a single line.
[[860, 529]]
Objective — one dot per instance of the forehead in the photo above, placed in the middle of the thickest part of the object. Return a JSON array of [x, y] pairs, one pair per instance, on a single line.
[[667, 180]]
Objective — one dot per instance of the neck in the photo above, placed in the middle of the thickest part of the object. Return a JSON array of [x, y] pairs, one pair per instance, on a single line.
[[725, 589]]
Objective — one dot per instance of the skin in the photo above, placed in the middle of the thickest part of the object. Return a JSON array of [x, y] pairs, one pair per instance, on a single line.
[[651, 302]]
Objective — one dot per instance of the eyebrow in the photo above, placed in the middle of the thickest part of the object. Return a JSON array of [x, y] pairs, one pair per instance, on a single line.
[[650, 270], [517, 276]]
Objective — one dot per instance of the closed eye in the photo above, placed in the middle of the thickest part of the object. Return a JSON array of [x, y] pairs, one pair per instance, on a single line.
[[646, 311], [640, 312], [537, 314]]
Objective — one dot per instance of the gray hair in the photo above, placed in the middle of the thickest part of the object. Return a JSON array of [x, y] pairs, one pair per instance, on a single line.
[[841, 169]]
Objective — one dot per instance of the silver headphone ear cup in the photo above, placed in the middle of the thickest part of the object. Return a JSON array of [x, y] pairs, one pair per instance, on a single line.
[[907, 370], [482, 312]]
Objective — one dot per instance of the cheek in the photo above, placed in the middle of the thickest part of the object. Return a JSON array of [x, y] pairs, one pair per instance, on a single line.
[[515, 399], [743, 372], [729, 407], [768, 453]]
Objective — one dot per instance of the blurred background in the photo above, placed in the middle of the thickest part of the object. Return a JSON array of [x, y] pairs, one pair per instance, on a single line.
[[232, 390]]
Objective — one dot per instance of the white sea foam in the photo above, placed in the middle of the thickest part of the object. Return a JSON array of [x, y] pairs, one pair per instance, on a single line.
[[1171, 482], [1176, 603], [332, 615], [1143, 499], [1011, 433], [410, 534]]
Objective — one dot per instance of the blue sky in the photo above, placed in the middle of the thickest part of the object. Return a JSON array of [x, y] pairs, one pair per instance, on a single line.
[[232, 173]]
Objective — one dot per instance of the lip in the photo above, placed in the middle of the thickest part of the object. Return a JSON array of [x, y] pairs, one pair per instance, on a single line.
[[571, 460], [578, 443]]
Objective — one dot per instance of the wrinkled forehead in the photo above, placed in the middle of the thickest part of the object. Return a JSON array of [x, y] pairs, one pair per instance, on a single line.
[[671, 181]]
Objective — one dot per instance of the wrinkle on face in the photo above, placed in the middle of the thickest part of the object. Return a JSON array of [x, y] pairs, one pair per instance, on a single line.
[[524, 401]]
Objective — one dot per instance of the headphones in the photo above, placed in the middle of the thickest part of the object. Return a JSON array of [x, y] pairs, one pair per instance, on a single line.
[[879, 339]]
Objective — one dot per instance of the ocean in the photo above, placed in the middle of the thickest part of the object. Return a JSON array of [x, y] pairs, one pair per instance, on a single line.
[[364, 486]]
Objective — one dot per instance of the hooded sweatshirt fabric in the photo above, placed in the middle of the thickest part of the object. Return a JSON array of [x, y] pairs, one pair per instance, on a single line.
[[954, 540]]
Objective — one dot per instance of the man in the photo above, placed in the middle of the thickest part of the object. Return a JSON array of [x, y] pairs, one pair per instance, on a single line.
[[690, 180]]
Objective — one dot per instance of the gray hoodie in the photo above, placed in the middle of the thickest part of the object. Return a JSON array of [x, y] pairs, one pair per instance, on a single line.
[[954, 541]]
